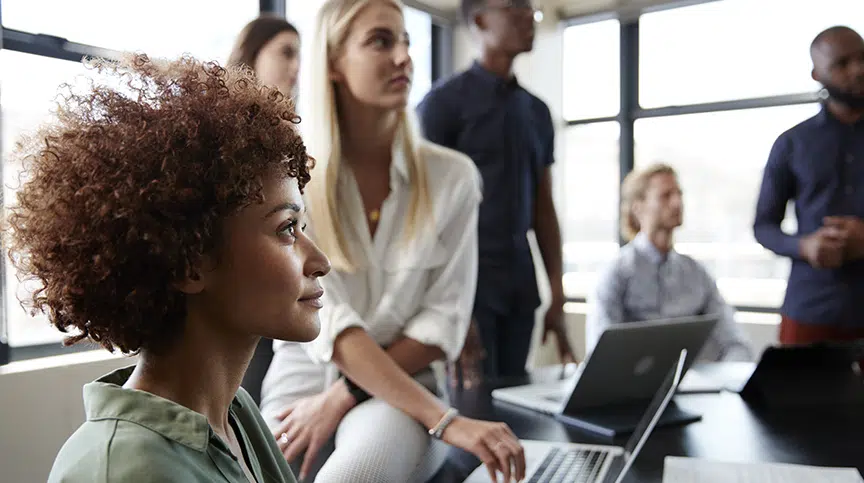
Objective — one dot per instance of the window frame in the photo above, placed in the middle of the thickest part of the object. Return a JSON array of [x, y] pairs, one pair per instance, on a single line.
[[46, 45], [631, 110]]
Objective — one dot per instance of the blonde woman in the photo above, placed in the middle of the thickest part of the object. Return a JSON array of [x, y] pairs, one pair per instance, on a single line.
[[650, 280], [398, 218]]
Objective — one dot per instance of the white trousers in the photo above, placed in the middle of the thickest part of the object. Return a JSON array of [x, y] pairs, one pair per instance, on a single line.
[[374, 442]]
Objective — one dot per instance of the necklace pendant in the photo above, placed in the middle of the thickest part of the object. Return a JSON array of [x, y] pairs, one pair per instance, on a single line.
[[374, 215]]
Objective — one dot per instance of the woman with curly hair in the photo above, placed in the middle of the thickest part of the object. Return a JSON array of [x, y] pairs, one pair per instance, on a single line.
[[398, 217], [163, 216], [270, 46]]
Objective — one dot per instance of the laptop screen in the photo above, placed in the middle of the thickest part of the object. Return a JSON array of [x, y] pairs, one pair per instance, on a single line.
[[652, 414]]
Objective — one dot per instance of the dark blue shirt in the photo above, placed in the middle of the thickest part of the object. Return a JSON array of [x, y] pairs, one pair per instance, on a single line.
[[820, 165], [509, 134]]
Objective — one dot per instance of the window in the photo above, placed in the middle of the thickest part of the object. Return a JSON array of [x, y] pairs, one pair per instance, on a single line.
[[165, 28], [587, 172], [302, 15], [30, 84], [27, 101], [591, 70], [734, 49], [419, 26], [587, 202], [719, 157]]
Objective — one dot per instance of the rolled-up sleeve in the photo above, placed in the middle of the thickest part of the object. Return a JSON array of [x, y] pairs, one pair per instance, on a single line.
[[606, 306], [447, 305]]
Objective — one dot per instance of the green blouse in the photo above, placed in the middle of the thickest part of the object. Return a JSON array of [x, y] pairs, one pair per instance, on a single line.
[[133, 435]]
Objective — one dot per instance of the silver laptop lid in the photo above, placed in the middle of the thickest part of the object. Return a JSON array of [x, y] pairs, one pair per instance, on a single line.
[[631, 360], [652, 415]]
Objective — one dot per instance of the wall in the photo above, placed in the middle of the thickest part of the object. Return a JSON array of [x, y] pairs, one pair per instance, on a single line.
[[41, 406]]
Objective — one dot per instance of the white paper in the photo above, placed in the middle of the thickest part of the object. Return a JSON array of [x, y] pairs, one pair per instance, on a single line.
[[696, 382], [689, 470]]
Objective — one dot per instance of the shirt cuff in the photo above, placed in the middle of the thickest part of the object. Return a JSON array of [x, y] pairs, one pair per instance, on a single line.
[[333, 322], [436, 330], [790, 246]]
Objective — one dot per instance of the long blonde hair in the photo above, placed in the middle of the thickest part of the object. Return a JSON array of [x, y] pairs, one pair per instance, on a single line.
[[633, 189], [323, 138]]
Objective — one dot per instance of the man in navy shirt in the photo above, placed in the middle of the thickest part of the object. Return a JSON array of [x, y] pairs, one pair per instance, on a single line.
[[485, 113], [820, 165]]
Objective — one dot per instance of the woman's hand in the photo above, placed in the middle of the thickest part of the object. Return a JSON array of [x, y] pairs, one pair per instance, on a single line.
[[494, 443], [309, 422]]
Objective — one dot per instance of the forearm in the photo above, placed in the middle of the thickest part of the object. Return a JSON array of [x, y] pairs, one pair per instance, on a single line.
[[772, 237], [413, 356], [549, 241], [361, 359]]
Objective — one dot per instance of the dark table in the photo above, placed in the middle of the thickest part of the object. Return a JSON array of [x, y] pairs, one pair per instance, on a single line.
[[730, 430]]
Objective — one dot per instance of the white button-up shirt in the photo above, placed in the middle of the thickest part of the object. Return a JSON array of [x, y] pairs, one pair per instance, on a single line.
[[423, 289]]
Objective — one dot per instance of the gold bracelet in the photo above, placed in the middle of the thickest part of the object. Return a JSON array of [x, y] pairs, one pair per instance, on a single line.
[[438, 430]]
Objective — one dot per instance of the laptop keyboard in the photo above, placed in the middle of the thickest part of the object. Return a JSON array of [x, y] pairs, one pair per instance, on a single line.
[[564, 465]]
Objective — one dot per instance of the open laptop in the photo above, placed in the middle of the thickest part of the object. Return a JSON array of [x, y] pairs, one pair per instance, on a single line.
[[548, 462], [612, 387]]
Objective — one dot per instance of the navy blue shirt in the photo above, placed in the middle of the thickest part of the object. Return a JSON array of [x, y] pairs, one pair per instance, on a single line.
[[820, 165], [509, 134]]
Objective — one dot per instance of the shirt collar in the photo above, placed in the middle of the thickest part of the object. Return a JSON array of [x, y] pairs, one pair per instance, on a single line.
[[106, 398], [827, 119], [644, 246], [491, 79]]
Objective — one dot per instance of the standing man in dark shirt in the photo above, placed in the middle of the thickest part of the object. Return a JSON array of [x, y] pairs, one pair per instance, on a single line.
[[508, 132], [820, 165]]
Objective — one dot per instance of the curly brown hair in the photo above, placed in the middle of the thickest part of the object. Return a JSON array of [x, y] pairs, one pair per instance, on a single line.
[[129, 187]]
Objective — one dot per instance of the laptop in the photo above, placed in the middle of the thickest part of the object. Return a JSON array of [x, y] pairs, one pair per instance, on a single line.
[[824, 374], [548, 462], [612, 387]]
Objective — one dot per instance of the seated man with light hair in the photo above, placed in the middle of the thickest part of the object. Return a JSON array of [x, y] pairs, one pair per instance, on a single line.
[[649, 280]]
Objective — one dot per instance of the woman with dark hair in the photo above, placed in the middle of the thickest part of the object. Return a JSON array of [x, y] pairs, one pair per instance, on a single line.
[[182, 242], [270, 46]]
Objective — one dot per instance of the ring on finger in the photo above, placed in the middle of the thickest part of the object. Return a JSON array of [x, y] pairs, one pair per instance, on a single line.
[[284, 438]]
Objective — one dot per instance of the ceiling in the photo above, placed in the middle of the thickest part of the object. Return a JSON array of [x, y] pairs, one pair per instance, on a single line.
[[575, 8]]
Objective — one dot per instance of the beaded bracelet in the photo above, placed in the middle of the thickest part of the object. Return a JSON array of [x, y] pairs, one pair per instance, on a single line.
[[438, 430]]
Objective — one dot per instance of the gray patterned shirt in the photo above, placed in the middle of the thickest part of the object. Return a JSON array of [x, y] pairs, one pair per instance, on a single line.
[[645, 284]]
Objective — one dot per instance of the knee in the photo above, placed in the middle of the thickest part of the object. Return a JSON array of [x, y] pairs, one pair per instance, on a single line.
[[356, 470], [360, 467]]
